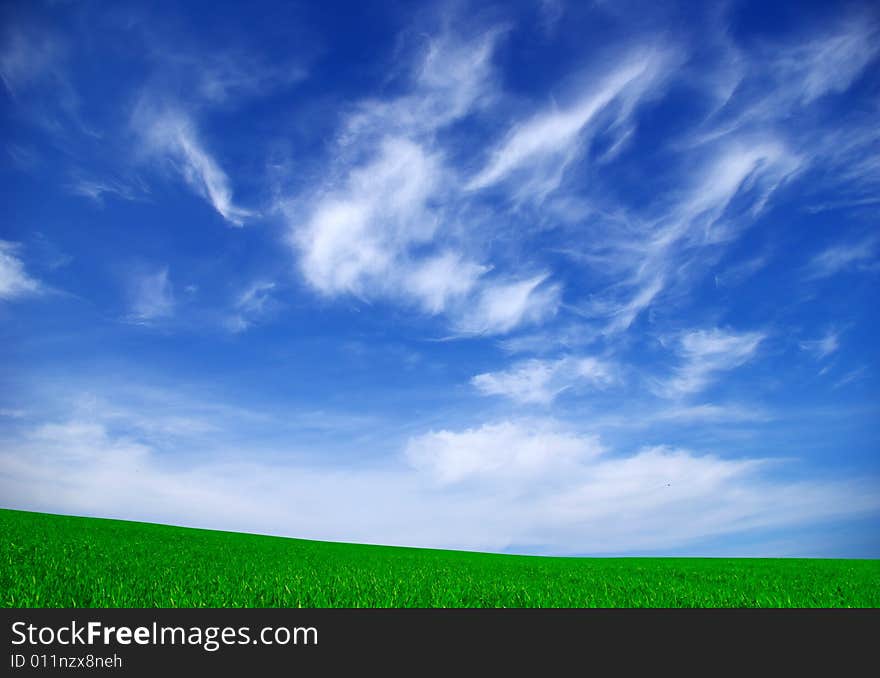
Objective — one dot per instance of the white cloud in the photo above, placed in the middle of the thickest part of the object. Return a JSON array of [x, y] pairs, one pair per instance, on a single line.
[[150, 296], [540, 381], [251, 304], [170, 134], [753, 166], [852, 256], [741, 271], [542, 146], [370, 238], [379, 231], [705, 353], [851, 376], [725, 170], [389, 217], [450, 78], [14, 279], [440, 281], [625, 313], [775, 81], [499, 451], [496, 486], [829, 63], [747, 170], [356, 238], [500, 307], [640, 254], [645, 255], [96, 189], [255, 297], [823, 347], [384, 222], [224, 77], [88, 442], [551, 340]]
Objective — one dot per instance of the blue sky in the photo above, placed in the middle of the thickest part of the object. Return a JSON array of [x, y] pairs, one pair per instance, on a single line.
[[540, 277]]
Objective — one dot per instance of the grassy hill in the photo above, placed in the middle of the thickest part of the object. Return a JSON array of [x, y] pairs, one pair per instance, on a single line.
[[60, 561]]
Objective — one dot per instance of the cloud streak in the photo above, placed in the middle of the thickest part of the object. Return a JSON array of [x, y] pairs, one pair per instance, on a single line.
[[254, 302], [857, 256], [542, 147], [15, 282], [704, 354], [823, 347], [171, 135], [541, 381], [150, 297]]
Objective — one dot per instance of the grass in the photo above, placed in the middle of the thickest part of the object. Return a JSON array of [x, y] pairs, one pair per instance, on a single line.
[[62, 561]]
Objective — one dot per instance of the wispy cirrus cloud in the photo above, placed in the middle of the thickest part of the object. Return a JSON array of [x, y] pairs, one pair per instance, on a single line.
[[852, 376], [96, 189], [251, 304], [230, 77], [446, 279], [823, 347], [830, 62], [740, 271], [729, 167], [537, 151], [188, 82], [704, 354], [647, 255], [541, 381], [169, 134], [15, 282], [774, 80], [501, 306], [449, 77], [151, 296], [855, 256]]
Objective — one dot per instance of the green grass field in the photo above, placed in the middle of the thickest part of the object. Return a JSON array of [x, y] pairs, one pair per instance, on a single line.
[[59, 561]]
